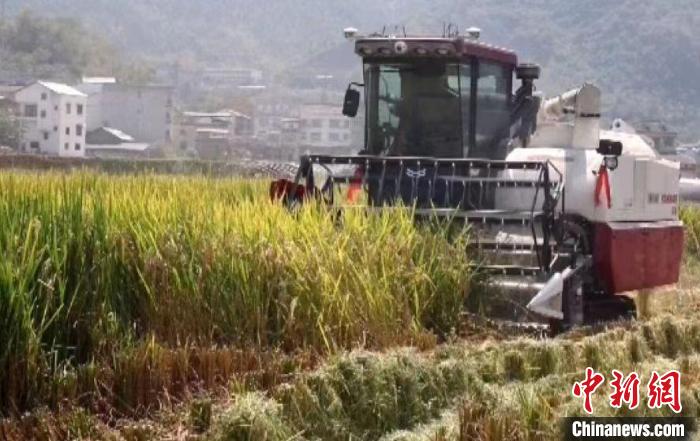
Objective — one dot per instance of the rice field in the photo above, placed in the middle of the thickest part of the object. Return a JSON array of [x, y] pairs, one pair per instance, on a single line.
[[106, 280], [160, 307]]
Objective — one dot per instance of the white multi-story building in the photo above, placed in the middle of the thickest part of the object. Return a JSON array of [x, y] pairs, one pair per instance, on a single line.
[[142, 111], [229, 78], [53, 118], [324, 125]]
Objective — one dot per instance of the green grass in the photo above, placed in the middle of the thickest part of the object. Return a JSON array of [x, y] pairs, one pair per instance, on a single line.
[[107, 276]]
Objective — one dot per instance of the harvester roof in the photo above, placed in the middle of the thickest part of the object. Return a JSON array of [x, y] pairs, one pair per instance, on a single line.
[[431, 47]]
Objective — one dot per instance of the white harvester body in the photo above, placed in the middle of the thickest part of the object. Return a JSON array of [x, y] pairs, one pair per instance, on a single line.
[[638, 200], [643, 186]]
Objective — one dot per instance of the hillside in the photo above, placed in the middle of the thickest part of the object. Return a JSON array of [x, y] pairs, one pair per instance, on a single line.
[[33, 46], [643, 54], [272, 33]]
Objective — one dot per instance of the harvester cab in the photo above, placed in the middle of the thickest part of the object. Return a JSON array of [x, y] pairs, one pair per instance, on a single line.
[[565, 217]]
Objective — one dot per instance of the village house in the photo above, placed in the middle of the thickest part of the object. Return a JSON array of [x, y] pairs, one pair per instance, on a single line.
[[211, 135], [323, 125], [144, 112], [106, 142], [229, 78], [53, 119], [276, 122], [212, 144]]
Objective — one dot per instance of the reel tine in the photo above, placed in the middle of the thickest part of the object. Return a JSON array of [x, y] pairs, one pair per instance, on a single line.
[[380, 191], [448, 196], [433, 182], [399, 176], [414, 185]]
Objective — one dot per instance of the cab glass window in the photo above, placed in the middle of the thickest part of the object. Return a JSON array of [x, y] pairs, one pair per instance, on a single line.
[[492, 110]]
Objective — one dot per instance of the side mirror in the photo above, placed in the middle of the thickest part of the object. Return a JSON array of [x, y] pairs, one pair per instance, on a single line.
[[351, 102]]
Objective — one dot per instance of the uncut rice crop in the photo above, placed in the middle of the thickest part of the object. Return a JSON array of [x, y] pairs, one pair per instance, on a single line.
[[690, 215], [94, 265]]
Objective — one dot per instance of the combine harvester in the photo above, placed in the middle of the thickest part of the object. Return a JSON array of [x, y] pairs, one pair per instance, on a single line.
[[565, 216]]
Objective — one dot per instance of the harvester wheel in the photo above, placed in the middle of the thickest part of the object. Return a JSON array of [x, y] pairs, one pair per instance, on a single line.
[[572, 235], [605, 308]]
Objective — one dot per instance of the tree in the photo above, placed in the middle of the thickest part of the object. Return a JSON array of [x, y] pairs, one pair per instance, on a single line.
[[62, 49]]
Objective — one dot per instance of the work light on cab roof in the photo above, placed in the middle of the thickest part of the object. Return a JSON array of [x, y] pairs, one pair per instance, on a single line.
[[566, 217]]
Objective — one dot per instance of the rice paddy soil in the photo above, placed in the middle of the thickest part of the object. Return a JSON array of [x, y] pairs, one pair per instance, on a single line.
[[348, 360]]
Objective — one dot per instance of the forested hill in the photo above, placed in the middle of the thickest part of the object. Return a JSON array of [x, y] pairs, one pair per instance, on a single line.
[[271, 33], [644, 54]]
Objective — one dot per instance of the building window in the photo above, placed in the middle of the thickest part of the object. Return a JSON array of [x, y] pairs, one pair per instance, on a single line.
[[43, 113], [79, 109], [346, 124], [67, 130], [333, 137], [68, 107], [315, 136], [316, 123], [65, 146], [55, 107], [55, 128], [334, 124], [79, 129], [43, 97], [30, 110], [77, 146], [34, 145], [46, 136]]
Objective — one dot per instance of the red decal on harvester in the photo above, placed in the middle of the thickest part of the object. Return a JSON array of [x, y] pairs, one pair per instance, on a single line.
[[602, 184], [669, 198]]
